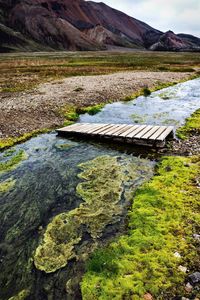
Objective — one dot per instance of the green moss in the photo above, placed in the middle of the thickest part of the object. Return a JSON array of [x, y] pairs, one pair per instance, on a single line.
[[91, 110], [192, 125], [9, 142], [12, 163], [162, 221], [7, 185], [71, 113], [21, 296], [102, 189]]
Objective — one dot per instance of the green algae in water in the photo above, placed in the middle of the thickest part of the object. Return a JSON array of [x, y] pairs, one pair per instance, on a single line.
[[162, 221], [102, 189], [7, 185], [13, 162], [21, 296]]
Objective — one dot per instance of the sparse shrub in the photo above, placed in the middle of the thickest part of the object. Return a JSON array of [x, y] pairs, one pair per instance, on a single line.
[[146, 92]]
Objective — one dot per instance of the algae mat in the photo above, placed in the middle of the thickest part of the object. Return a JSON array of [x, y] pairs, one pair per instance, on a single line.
[[60, 200]]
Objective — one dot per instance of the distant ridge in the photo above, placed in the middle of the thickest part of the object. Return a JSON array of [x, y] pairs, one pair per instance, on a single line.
[[38, 25]]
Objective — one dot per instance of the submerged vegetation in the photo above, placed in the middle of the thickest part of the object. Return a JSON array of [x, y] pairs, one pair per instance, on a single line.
[[9, 142], [12, 163], [6, 185], [191, 126], [162, 221], [104, 183], [21, 296]]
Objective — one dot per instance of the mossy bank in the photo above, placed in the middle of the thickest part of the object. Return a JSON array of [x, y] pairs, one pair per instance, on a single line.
[[162, 221]]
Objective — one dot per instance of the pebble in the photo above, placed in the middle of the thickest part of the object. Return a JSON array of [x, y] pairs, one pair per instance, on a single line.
[[196, 237], [148, 296], [176, 254], [182, 269], [195, 277], [183, 298], [188, 287]]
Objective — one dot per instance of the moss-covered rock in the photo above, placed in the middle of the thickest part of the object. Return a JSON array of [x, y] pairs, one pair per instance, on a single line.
[[162, 222]]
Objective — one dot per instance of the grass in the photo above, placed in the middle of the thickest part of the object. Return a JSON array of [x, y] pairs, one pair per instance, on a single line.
[[163, 218], [191, 126], [21, 72]]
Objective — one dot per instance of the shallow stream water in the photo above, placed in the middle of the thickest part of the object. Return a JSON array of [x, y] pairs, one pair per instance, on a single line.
[[56, 177], [169, 106]]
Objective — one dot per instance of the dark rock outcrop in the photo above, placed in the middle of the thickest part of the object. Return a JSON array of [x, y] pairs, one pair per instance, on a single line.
[[79, 25]]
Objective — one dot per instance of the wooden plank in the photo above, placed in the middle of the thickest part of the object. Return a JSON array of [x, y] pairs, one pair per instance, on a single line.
[[104, 129], [110, 130], [150, 132], [165, 133], [158, 133], [123, 130], [117, 129], [141, 133], [82, 128], [70, 128], [136, 131], [96, 127], [133, 127]]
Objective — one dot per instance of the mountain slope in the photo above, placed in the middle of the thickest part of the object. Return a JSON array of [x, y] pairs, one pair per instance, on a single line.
[[73, 25]]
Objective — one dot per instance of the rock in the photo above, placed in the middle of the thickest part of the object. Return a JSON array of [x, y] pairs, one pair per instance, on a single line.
[[148, 296], [195, 277], [196, 237], [188, 287], [176, 254], [182, 269], [168, 169], [183, 298]]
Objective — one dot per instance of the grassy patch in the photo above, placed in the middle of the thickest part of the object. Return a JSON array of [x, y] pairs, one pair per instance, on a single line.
[[71, 113], [192, 125], [162, 221], [25, 72], [91, 110]]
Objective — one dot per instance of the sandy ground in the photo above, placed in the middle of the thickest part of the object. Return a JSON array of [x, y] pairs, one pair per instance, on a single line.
[[38, 109]]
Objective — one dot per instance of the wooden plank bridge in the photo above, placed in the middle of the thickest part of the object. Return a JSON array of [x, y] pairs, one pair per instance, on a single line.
[[129, 133]]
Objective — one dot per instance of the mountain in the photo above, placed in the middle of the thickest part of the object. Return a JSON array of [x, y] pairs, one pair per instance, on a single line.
[[169, 41], [33, 25]]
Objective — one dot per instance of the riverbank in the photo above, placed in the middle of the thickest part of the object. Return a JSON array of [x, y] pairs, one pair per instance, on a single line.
[[158, 256], [25, 112]]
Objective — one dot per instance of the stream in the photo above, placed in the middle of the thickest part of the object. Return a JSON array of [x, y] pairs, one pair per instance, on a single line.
[[65, 198]]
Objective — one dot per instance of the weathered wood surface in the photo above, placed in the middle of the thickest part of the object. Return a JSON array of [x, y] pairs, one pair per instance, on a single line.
[[137, 134]]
